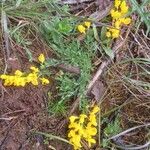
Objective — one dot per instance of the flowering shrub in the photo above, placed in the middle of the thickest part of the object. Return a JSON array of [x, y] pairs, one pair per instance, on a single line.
[[22, 78], [82, 28], [118, 14], [83, 127]]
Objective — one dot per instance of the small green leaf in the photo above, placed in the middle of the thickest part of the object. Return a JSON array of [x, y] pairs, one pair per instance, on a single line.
[[64, 26], [51, 62], [29, 54], [105, 143], [103, 33], [108, 51], [18, 3], [113, 128], [95, 32]]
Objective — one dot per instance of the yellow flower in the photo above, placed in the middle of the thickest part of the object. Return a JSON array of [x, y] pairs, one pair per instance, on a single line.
[[29, 77], [81, 29], [124, 8], [95, 109], [117, 3], [115, 33], [87, 24], [3, 76], [82, 118], [92, 119], [75, 141], [71, 133], [44, 81], [91, 131], [34, 69], [20, 78], [73, 118], [9, 80], [126, 21], [19, 81], [91, 141], [18, 73], [41, 58], [22, 83], [83, 127], [32, 78], [118, 18], [35, 81], [108, 34], [118, 24], [115, 14]]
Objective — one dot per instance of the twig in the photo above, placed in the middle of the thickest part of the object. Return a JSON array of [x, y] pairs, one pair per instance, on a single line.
[[13, 112], [48, 135], [74, 106], [71, 2], [128, 147], [104, 64], [97, 75], [100, 14], [128, 130], [9, 118], [69, 68], [4, 24]]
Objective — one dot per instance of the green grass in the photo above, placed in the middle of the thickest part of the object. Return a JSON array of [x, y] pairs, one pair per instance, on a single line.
[[22, 18], [112, 128], [143, 12]]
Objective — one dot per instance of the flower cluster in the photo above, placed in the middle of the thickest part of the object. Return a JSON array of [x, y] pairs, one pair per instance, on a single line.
[[21, 78], [83, 128], [118, 14], [83, 27]]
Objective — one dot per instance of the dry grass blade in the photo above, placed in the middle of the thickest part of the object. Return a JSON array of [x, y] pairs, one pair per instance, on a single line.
[[129, 130], [53, 137], [100, 14], [137, 147], [74, 1], [4, 24], [8, 119], [97, 75]]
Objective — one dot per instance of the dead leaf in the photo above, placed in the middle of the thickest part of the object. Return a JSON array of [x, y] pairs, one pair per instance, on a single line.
[[98, 90]]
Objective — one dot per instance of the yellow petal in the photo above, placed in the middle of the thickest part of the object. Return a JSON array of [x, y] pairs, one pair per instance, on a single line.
[[95, 109], [91, 141], [118, 24], [127, 21], [87, 24], [82, 118], [108, 34], [81, 29], [35, 81], [71, 133], [124, 8], [117, 3], [73, 118], [18, 73], [44, 81], [34, 69], [3, 76], [41, 58]]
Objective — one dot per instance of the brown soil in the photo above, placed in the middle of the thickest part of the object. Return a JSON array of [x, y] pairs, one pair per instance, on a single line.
[[25, 110]]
